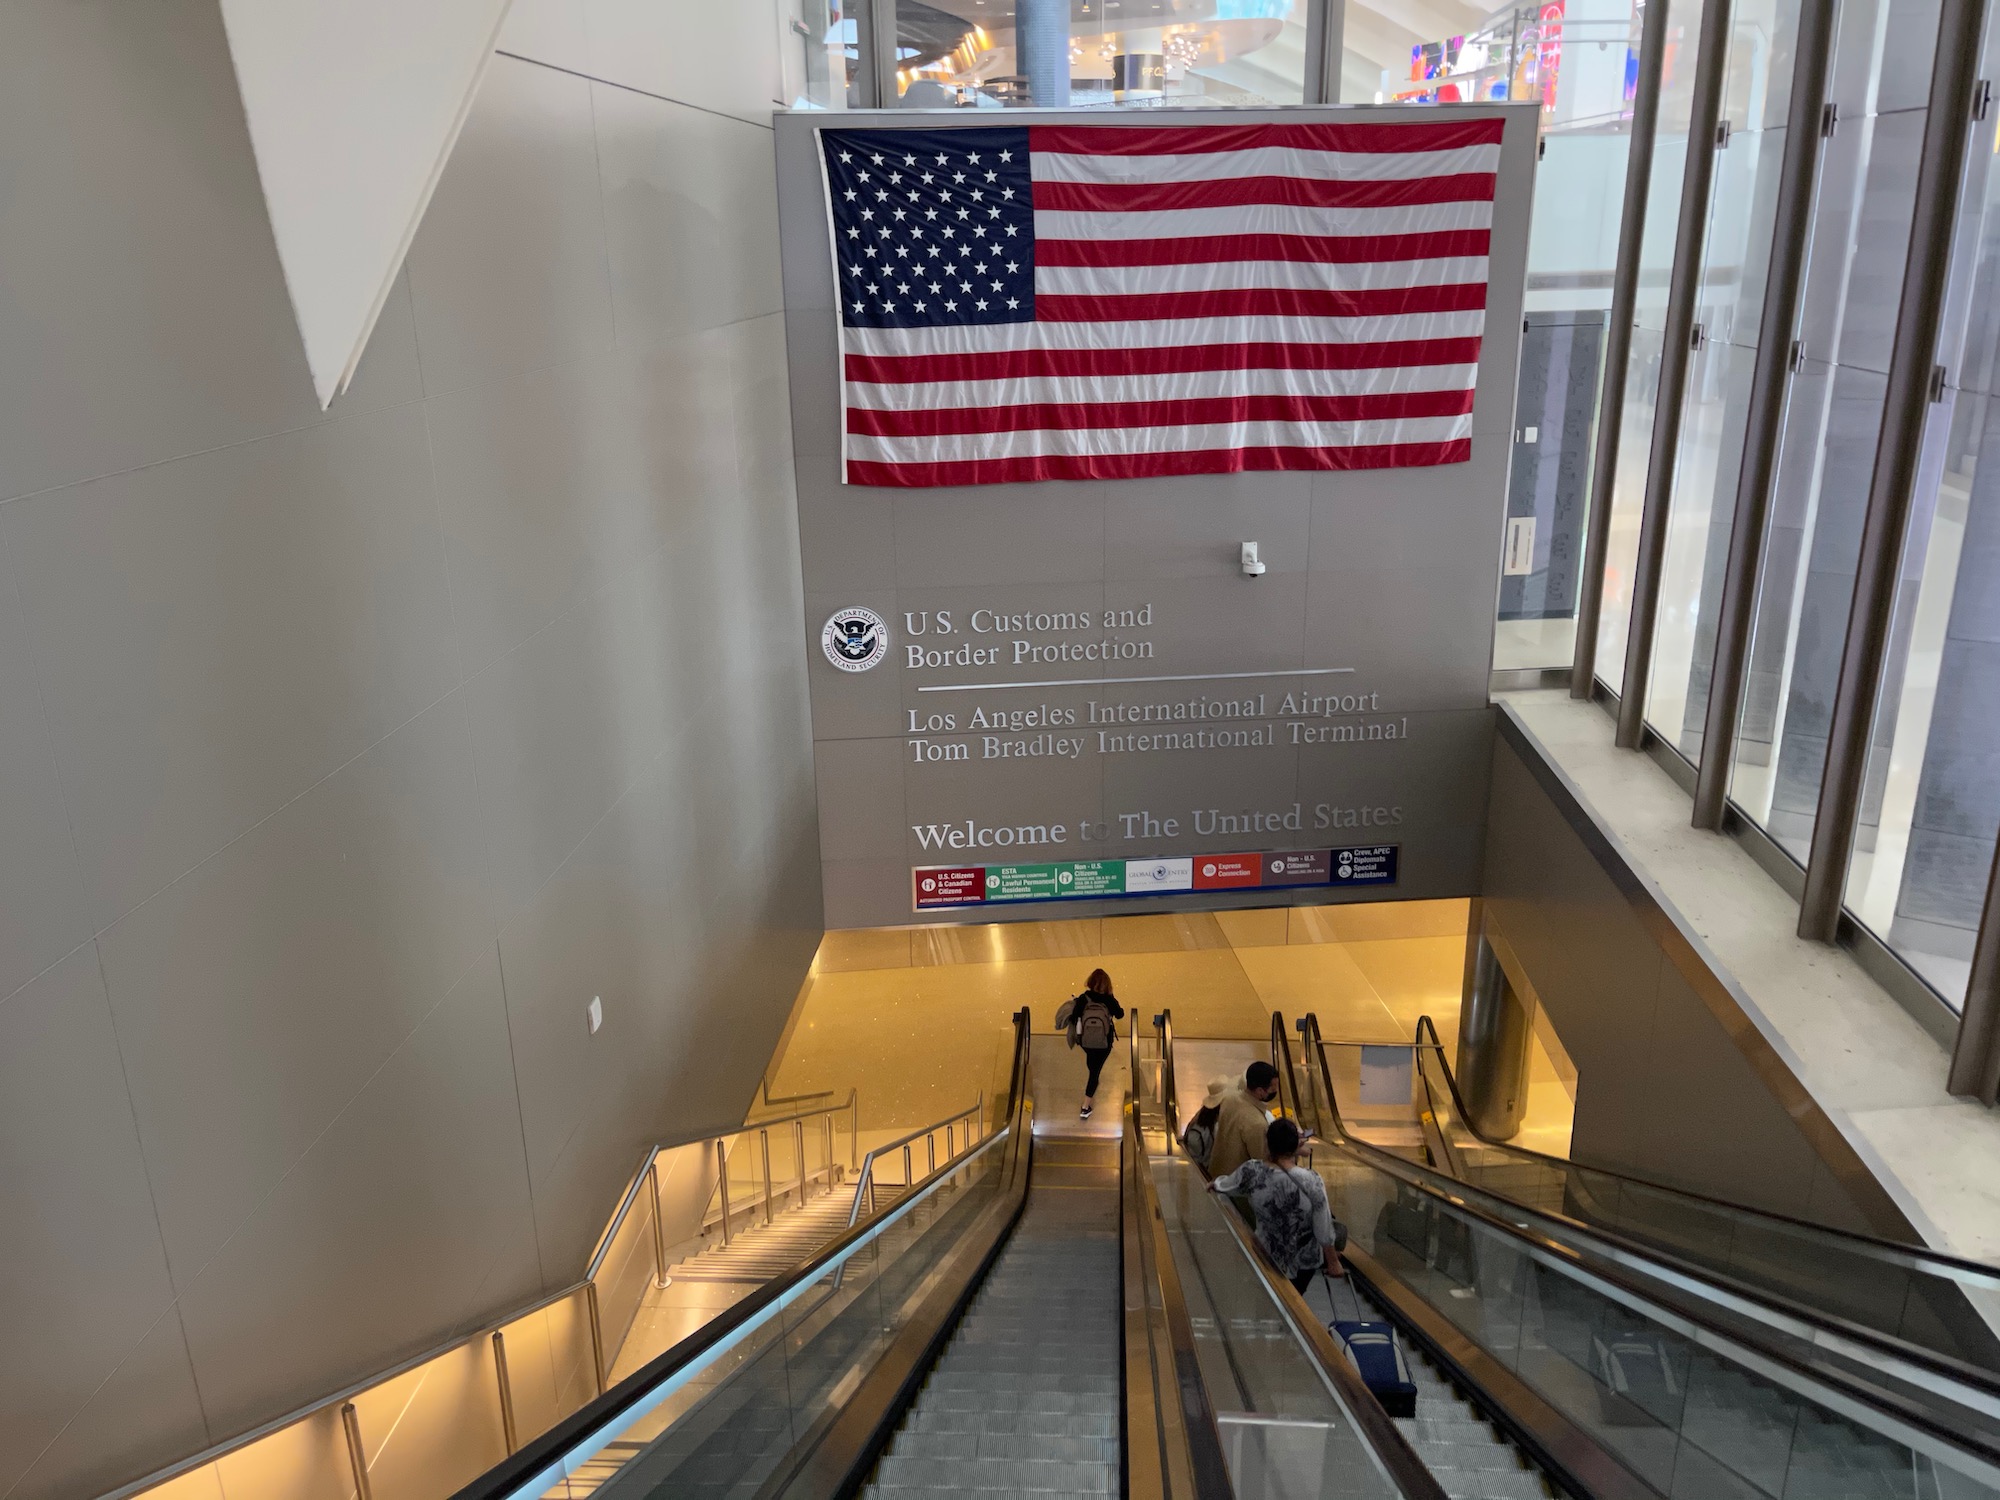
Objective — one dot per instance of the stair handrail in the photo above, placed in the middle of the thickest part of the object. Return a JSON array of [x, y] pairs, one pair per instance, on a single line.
[[718, 1199], [864, 1181], [528, 1471]]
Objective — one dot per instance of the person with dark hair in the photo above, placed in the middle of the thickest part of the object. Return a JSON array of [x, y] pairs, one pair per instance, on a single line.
[[1090, 1019], [1295, 1227], [1240, 1119]]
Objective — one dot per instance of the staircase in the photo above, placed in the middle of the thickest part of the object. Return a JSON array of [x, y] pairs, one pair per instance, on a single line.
[[760, 1252], [1024, 1400]]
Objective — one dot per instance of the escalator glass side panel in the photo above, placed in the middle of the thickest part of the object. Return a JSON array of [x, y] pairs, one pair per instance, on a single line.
[[1284, 1430], [1689, 1412], [733, 1417], [1929, 1301]]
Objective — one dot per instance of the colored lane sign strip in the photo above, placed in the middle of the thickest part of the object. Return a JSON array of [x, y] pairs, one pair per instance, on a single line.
[[1097, 879]]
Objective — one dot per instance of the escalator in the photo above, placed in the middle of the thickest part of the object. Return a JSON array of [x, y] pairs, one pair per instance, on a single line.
[[1053, 1314], [1620, 1368], [1941, 1304]]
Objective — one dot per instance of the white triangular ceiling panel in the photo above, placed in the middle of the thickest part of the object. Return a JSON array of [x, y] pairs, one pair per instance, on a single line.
[[353, 107]]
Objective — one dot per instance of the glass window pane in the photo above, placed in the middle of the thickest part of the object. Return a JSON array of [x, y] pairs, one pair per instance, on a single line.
[[1735, 256], [1585, 62], [815, 41], [1931, 800], [1859, 239], [1642, 371], [990, 54]]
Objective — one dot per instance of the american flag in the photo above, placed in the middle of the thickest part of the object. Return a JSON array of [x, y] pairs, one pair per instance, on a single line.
[[1107, 302]]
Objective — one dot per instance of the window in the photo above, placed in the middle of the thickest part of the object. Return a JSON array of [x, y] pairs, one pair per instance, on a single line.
[[1734, 256], [1931, 801], [1880, 82]]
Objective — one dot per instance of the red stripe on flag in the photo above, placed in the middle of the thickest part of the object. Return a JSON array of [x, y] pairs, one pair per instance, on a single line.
[[1254, 301], [1157, 140], [1232, 192], [1197, 411], [1024, 364], [1151, 465], [1209, 249]]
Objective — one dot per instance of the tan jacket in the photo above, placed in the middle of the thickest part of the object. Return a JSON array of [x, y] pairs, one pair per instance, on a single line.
[[1239, 1133]]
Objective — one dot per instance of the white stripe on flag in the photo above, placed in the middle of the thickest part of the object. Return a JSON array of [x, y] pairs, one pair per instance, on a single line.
[[1192, 385], [1166, 333], [1345, 276], [1260, 218], [1265, 161], [1035, 443]]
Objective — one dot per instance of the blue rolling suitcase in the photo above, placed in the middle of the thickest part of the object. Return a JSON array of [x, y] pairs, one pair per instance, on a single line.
[[1372, 1349]]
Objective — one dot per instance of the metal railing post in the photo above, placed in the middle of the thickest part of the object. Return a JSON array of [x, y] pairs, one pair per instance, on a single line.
[[596, 1335], [950, 1142], [1906, 405], [357, 1455], [827, 1120], [722, 1182], [507, 1428], [854, 1128], [930, 1151], [1618, 344], [1764, 423], [764, 1145], [799, 1145], [1676, 351], [907, 1179], [659, 1229]]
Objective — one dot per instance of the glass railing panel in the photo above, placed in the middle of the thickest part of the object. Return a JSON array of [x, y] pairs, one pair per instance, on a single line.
[[1692, 1414], [1947, 1307], [729, 1417], [1283, 1430]]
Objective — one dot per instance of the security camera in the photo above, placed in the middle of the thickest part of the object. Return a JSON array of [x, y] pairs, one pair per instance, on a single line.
[[1253, 566]]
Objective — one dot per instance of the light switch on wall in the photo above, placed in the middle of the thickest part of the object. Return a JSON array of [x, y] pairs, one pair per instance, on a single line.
[[595, 1011]]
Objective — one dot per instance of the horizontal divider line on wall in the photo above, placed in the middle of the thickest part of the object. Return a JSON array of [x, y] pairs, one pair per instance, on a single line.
[[987, 687]]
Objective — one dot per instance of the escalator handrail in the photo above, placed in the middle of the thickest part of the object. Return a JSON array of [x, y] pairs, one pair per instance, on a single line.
[[1163, 1028], [1392, 1449], [1908, 1257], [1473, 1201], [530, 1470], [1191, 1450]]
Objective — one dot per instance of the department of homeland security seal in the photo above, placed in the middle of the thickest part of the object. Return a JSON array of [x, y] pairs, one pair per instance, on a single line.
[[854, 639]]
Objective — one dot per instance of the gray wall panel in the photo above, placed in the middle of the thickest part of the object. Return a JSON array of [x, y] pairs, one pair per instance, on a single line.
[[1388, 573], [344, 756], [1666, 1090]]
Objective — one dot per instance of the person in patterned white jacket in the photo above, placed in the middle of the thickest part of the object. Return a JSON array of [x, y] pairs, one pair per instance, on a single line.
[[1295, 1229]]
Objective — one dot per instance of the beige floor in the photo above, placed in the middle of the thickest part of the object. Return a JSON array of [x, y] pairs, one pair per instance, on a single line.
[[918, 1018]]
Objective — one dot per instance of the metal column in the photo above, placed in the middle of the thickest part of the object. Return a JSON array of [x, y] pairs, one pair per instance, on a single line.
[[1326, 24], [1618, 342], [1683, 290], [1806, 129], [1493, 1028], [1041, 42], [1906, 405], [1975, 1061]]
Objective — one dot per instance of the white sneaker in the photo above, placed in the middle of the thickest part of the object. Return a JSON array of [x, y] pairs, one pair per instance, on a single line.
[[1084, 1113]]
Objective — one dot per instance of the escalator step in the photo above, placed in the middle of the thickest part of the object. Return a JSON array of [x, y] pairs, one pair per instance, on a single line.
[[938, 1476]]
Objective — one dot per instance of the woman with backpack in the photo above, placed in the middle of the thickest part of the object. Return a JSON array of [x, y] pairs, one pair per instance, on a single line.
[[1295, 1229], [1090, 1020]]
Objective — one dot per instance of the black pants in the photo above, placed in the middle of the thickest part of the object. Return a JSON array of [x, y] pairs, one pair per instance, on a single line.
[[1095, 1057], [1304, 1280]]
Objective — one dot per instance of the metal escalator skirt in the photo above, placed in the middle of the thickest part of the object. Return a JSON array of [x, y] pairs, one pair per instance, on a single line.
[[572, 1460]]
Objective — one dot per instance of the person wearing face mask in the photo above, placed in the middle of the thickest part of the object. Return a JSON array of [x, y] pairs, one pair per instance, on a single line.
[[1241, 1120]]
